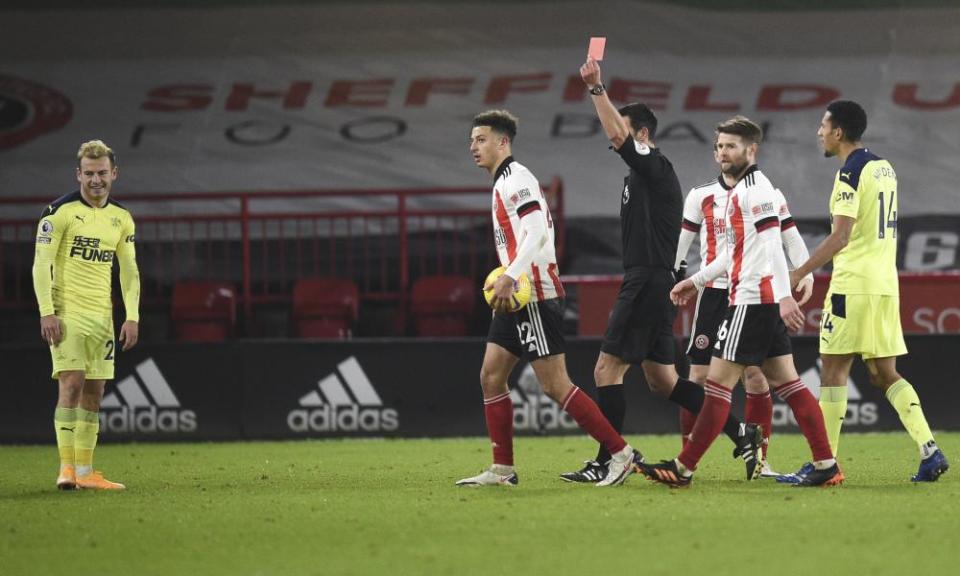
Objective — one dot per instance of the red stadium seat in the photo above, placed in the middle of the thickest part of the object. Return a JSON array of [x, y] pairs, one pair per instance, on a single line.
[[203, 311], [442, 305], [325, 307]]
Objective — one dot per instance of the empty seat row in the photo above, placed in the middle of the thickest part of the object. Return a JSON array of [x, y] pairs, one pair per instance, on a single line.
[[323, 308]]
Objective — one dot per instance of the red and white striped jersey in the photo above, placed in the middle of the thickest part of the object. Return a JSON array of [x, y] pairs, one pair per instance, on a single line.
[[704, 213], [753, 206], [516, 193]]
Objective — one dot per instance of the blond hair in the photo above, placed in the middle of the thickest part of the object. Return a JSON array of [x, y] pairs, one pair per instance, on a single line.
[[96, 149]]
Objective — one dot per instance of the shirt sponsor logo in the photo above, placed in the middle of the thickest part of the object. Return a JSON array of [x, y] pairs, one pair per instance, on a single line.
[[844, 196], [764, 208], [499, 237], [88, 249], [131, 238], [525, 193]]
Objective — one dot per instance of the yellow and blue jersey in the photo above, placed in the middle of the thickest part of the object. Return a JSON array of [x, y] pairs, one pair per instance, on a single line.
[[865, 189], [76, 246]]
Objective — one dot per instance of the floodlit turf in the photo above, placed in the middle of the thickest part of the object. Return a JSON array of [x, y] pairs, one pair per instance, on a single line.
[[390, 508]]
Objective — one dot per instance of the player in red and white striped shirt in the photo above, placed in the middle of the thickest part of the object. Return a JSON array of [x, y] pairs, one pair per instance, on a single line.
[[704, 213], [523, 233], [517, 194], [754, 332]]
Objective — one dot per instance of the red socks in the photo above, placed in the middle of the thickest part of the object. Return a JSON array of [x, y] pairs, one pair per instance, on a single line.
[[585, 411], [809, 417], [499, 413], [759, 410], [709, 424]]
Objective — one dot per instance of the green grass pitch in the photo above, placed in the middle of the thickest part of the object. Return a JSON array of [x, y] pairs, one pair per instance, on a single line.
[[389, 507]]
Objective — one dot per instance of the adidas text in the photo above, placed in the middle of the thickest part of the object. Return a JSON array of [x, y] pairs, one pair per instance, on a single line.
[[149, 419], [345, 401], [145, 403], [343, 419]]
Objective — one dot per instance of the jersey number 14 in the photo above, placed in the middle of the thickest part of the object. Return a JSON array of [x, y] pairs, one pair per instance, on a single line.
[[888, 220]]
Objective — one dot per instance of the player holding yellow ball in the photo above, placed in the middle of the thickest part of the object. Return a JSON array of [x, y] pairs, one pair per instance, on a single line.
[[523, 234], [518, 299]]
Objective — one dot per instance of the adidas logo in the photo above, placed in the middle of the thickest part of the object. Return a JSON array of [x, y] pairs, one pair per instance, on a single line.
[[858, 412], [534, 410], [344, 401], [147, 404]]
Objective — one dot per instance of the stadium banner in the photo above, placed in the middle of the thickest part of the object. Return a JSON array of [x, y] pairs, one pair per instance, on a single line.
[[160, 392], [928, 304], [315, 95], [391, 388]]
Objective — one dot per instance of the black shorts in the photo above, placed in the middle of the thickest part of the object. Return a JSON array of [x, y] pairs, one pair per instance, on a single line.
[[535, 331], [712, 304], [641, 322], [751, 333]]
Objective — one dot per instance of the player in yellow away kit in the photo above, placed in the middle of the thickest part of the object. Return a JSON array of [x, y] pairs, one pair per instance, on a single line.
[[861, 313], [78, 238]]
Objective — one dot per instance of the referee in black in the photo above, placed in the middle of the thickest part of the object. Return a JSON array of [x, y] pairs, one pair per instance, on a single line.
[[640, 328]]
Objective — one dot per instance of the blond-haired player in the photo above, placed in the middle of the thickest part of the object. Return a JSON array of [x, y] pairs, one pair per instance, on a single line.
[[78, 238]]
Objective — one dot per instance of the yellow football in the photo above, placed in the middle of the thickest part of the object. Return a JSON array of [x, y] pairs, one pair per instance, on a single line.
[[521, 289]]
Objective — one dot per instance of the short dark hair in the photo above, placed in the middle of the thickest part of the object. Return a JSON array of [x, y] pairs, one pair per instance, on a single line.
[[850, 117], [743, 127], [499, 121], [640, 116]]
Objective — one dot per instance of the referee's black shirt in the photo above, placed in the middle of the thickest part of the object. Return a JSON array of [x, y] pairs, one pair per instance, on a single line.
[[651, 208]]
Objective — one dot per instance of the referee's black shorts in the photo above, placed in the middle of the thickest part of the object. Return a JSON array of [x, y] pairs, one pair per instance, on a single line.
[[641, 323], [711, 309]]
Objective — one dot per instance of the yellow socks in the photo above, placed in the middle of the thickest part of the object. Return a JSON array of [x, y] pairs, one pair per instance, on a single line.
[[85, 440], [833, 404], [905, 401], [65, 422]]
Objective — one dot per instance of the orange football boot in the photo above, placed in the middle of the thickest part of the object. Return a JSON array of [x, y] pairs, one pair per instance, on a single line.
[[96, 481]]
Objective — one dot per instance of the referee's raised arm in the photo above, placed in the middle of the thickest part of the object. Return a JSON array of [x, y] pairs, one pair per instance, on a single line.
[[613, 123]]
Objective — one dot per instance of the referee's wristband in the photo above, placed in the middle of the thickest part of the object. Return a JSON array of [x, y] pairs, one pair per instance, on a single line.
[[598, 89]]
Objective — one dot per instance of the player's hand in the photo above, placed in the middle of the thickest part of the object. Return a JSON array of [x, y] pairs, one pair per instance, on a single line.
[[50, 329], [503, 288], [792, 315], [129, 334], [794, 280], [590, 72], [683, 292], [805, 290]]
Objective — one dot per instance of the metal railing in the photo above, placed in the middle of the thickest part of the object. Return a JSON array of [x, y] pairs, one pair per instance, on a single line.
[[262, 242]]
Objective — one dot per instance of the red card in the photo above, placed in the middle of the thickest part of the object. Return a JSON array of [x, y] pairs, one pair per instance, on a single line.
[[596, 48]]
